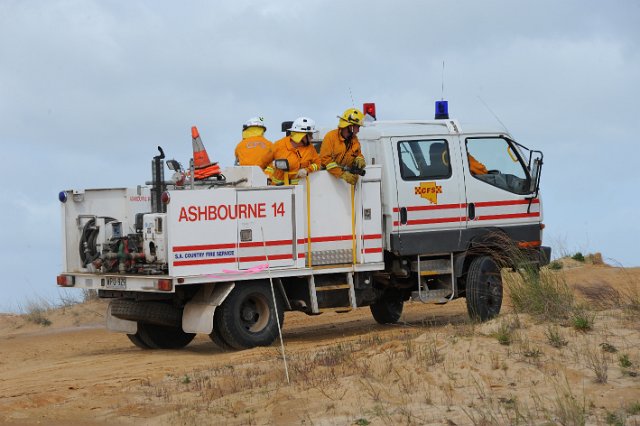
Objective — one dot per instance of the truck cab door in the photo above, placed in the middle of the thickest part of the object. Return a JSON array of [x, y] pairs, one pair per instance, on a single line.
[[498, 188], [430, 212]]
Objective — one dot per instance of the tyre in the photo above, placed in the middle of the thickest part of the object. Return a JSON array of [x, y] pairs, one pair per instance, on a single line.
[[216, 336], [247, 318], [483, 289], [157, 313], [388, 309], [136, 340], [162, 336]]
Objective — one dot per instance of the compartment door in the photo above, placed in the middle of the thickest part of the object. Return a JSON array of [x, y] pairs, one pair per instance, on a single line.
[[266, 228]]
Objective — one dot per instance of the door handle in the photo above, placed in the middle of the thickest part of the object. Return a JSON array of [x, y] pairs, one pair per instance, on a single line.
[[471, 211], [403, 215]]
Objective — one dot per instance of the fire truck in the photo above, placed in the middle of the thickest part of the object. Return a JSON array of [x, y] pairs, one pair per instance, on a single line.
[[227, 255]]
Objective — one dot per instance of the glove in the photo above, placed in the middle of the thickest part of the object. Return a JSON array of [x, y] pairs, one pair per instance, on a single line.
[[349, 177], [359, 163], [302, 173]]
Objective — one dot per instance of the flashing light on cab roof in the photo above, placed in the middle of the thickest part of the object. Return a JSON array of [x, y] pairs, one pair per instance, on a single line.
[[369, 109], [62, 196], [442, 110]]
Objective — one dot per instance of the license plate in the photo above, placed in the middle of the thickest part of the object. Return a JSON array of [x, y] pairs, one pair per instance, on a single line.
[[118, 283]]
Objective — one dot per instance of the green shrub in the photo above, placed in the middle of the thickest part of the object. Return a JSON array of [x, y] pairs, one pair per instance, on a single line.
[[504, 334], [555, 265], [624, 361], [582, 320], [634, 408], [578, 256], [554, 337], [36, 311]]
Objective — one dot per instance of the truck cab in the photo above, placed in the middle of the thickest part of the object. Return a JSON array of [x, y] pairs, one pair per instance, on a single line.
[[434, 201]]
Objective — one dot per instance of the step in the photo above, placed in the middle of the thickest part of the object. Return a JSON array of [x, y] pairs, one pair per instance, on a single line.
[[424, 273], [435, 296], [333, 287], [337, 309], [432, 266]]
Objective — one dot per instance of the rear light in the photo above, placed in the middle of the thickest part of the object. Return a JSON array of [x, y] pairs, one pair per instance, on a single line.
[[165, 197], [65, 280], [164, 285], [370, 109], [529, 244], [542, 226]]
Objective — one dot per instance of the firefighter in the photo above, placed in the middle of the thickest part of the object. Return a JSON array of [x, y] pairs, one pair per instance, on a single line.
[[254, 149], [296, 148], [476, 167], [340, 152]]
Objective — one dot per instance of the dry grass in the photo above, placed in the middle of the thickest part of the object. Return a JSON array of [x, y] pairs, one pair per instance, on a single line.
[[544, 294]]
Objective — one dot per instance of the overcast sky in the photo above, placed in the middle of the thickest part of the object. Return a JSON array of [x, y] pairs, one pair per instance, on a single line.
[[88, 89]]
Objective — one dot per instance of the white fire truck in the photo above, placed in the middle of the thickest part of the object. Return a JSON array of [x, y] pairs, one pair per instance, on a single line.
[[227, 256]]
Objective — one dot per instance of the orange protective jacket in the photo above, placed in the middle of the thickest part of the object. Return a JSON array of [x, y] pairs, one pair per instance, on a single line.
[[476, 167], [301, 157], [254, 151], [334, 153]]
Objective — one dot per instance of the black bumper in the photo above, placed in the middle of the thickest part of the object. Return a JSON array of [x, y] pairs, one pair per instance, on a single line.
[[544, 255]]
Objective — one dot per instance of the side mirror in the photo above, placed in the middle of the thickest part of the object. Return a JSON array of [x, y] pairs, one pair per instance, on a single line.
[[535, 175]]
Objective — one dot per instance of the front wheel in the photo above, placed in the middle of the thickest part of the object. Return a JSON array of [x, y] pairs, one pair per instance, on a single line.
[[247, 318], [484, 289], [388, 309]]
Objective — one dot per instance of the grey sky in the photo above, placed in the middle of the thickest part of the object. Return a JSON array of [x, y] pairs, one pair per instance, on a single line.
[[88, 89]]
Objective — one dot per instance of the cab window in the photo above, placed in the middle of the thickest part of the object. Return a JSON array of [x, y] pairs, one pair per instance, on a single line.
[[424, 159], [499, 163]]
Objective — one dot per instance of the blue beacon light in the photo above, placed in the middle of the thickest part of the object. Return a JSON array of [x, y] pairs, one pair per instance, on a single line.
[[442, 110], [62, 196]]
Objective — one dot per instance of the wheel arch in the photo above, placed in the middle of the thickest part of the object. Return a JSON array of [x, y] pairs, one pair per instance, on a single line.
[[198, 313]]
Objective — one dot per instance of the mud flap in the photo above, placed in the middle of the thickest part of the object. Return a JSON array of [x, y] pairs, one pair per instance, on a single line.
[[120, 325], [198, 312]]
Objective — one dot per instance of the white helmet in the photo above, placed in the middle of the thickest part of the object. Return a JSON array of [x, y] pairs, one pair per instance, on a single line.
[[303, 125], [254, 122]]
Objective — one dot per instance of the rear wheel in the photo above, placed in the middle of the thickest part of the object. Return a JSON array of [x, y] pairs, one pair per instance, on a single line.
[[136, 340], [388, 309], [247, 318], [483, 289], [162, 336], [216, 336]]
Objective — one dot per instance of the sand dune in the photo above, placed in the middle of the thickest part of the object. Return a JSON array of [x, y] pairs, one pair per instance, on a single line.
[[435, 367]]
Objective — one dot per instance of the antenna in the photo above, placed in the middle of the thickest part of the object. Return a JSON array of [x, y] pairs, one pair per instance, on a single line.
[[353, 104], [494, 114], [442, 94]]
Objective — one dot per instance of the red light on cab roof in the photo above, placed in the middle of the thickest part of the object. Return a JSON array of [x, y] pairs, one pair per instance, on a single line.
[[369, 109]]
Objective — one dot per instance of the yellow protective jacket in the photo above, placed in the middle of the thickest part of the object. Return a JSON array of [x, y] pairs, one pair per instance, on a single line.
[[254, 151], [334, 153], [301, 157], [476, 167]]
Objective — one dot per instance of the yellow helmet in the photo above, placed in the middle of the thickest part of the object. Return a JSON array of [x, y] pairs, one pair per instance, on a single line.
[[350, 117]]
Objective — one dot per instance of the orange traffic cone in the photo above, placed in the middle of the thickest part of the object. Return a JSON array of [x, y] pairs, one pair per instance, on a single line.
[[204, 168]]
